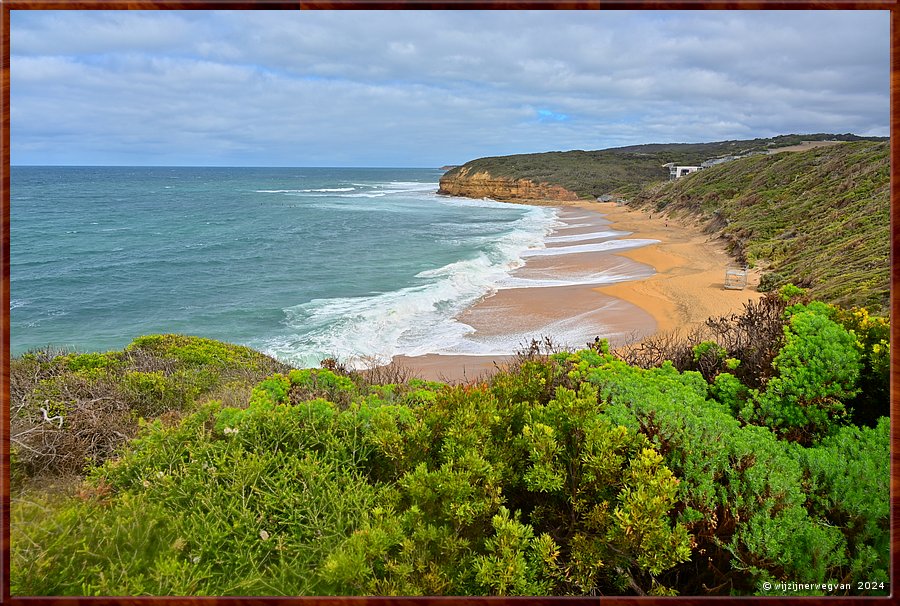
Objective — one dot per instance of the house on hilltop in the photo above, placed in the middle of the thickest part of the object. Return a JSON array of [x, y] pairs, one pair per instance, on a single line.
[[676, 171]]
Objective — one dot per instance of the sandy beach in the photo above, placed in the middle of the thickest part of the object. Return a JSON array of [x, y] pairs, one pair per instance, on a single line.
[[630, 291]]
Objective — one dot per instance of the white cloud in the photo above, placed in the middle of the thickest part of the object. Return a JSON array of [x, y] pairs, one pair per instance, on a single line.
[[313, 87]]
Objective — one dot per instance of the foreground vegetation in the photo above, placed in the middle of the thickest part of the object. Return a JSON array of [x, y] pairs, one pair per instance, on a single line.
[[675, 467]]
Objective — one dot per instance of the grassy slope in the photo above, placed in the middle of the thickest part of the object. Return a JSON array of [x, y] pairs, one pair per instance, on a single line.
[[623, 170], [821, 216]]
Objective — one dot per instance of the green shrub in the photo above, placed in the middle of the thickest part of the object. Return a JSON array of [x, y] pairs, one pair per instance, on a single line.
[[847, 484], [770, 281], [567, 474], [726, 389], [817, 371], [517, 562], [83, 548], [790, 292], [321, 383], [152, 393], [190, 511], [604, 490], [270, 392], [710, 359], [93, 400], [873, 344], [453, 525], [733, 480], [93, 365], [197, 351], [532, 382]]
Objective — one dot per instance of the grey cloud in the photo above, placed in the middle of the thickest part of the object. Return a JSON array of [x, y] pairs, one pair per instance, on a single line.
[[421, 87], [90, 32]]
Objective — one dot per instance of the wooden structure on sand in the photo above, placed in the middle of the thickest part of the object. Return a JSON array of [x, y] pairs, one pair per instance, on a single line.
[[736, 278]]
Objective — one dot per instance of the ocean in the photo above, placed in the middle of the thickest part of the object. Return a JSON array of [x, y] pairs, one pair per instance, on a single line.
[[301, 263], [358, 264]]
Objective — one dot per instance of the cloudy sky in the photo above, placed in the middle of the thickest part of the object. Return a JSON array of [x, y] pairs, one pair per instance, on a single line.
[[421, 88]]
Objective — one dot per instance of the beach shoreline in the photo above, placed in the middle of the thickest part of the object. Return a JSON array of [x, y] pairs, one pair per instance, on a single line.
[[683, 288]]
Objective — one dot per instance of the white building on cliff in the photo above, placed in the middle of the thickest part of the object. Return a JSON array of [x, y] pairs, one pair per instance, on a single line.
[[676, 171]]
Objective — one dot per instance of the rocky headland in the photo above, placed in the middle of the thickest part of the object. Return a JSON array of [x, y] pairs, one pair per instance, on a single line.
[[482, 184]]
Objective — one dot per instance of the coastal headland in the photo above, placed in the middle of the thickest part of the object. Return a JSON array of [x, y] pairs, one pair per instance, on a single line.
[[668, 285]]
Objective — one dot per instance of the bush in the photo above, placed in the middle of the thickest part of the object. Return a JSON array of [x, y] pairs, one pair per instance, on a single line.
[[62, 420], [92, 365], [770, 281], [69, 411], [733, 481], [847, 485], [197, 351], [873, 344], [446, 530], [817, 371], [192, 511], [744, 344], [567, 474], [152, 393]]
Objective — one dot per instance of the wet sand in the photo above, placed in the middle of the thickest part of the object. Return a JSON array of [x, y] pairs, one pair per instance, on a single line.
[[630, 293]]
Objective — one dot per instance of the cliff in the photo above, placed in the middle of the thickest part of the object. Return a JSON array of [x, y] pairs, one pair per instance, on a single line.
[[465, 182]]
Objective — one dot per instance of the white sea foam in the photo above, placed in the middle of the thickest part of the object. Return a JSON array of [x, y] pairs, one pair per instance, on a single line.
[[305, 191], [383, 325], [413, 320], [586, 279], [420, 318], [395, 188], [575, 225], [596, 235], [608, 245], [409, 186], [489, 203]]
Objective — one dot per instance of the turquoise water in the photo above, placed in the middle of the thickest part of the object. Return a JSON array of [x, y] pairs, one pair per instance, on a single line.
[[302, 263]]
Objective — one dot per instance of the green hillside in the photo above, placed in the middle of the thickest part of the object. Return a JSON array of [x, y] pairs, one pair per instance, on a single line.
[[819, 217], [623, 170]]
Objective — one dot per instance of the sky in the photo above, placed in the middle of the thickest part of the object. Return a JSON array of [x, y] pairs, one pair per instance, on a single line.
[[430, 88]]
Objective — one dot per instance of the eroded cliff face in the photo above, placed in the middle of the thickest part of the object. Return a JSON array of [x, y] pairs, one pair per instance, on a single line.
[[485, 185]]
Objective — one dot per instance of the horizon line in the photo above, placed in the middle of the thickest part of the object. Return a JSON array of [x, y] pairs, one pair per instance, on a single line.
[[216, 166]]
